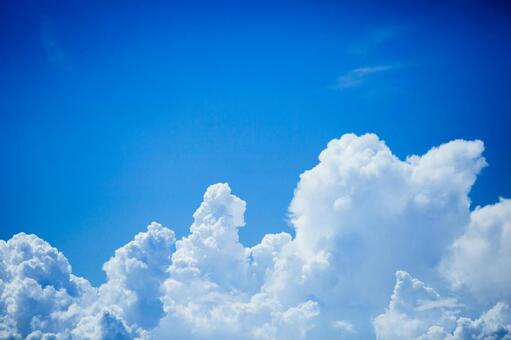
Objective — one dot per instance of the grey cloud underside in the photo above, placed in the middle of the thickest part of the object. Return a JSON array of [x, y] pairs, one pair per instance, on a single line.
[[363, 219]]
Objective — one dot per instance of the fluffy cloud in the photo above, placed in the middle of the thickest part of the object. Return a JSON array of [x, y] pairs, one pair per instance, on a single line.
[[41, 299], [369, 214], [480, 259], [38, 292], [359, 215], [417, 311], [102, 325], [214, 289], [135, 275]]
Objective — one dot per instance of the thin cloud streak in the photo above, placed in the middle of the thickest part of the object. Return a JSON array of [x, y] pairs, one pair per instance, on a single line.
[[358, 76]]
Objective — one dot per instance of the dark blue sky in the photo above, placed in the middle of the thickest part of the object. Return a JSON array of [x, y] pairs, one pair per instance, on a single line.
[[117, 113]]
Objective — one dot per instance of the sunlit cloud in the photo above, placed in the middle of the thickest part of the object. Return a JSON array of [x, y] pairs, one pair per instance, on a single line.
[[361, 217]]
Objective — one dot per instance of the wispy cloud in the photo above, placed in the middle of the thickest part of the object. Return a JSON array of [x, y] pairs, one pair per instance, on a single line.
[[358, 76], [344, 326], [440, 303]]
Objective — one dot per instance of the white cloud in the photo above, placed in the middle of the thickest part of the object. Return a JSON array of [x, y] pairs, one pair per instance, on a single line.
[[480, 259], [344, 326], [104, 325], [405, 317], [40, 298], [358, 76], [135, 275], [395, 214], [359, 215], [37, 290], [215, 284]]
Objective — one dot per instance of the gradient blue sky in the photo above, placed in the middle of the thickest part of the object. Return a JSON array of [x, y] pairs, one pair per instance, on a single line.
[[114, 114]]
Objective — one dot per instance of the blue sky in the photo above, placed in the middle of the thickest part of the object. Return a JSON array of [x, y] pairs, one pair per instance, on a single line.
[[112, 116]]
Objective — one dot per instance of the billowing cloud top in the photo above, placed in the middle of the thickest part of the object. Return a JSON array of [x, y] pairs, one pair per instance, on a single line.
[[363, 219]]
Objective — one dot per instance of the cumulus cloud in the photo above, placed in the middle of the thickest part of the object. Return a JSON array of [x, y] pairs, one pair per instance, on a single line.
[[417, 311], [41, 299], [480, 259], [359, 215], [370, 214], [135, 275], [102, 325], [214, 289], [38, 292]]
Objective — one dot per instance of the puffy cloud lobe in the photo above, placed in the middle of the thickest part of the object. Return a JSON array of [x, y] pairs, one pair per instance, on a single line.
[[480, 259], [38, 291], [41, 299], [369, 214], [417, 311], [265, 255], [215, 284], [328, 199], [135, 275], [212, 249], [105, 325], [493, 324], [359, 215], [414, 311]]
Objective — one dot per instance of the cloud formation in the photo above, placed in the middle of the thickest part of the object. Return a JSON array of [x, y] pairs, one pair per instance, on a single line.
[[361, 217], [358, 76], [417, 311], [480, 259]]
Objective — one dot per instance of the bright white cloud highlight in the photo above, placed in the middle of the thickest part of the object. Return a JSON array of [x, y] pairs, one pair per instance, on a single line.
[[480, 259], [135, 275], [360, 215], [416, 311]]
